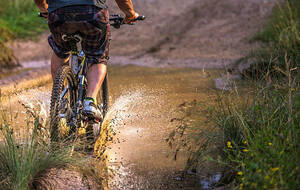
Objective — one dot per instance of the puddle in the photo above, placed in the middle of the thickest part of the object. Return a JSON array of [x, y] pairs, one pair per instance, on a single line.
[[210, 182], [143, 101]]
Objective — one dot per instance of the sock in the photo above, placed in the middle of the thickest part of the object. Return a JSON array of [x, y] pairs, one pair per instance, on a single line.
[[90, 98]]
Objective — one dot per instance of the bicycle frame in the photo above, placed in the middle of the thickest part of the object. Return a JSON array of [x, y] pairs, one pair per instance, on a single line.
[[79, 66]]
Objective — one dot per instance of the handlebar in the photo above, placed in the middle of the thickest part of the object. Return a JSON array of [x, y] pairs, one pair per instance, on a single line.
[[116, 20]]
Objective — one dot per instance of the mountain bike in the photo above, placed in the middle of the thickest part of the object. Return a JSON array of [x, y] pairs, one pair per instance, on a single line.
[[69, 91]]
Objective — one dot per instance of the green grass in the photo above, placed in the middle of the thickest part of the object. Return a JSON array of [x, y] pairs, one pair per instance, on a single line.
[[281, 37], [256, 137], [283, 17], [18, 19], [261, 139]]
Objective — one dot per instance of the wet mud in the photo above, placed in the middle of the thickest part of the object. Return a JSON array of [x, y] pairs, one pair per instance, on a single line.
[[143, 102]]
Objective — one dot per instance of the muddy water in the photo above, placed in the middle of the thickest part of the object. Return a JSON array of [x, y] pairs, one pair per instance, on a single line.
[[143, 101], [139, 156]]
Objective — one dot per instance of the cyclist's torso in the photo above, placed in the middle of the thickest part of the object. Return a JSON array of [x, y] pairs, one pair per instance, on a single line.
[[56, 4]]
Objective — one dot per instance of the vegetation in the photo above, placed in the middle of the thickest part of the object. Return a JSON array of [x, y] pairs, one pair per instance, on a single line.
[[257, 140], [261, 139], [27, 156], [18, 19], [282, 41]]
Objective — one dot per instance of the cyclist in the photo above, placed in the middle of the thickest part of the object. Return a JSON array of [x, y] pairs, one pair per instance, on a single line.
[[89, 18]]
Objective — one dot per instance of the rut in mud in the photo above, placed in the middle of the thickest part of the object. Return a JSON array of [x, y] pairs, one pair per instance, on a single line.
[[195, 33]]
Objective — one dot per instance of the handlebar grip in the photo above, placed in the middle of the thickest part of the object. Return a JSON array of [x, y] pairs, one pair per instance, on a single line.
[[142, 17]]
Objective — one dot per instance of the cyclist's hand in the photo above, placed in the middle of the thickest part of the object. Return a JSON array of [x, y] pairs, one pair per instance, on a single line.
[[131, 20]]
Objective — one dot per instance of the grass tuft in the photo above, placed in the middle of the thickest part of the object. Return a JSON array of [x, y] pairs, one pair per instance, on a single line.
[[254, 141], [261, 139], [27, 157]]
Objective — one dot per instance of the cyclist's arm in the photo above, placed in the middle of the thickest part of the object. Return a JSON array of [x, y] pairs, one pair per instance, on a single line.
[[42, 5], [127, 7]]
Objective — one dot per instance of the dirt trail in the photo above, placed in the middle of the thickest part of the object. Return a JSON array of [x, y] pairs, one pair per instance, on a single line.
[[193, 33], [207, 29], [198, 31]]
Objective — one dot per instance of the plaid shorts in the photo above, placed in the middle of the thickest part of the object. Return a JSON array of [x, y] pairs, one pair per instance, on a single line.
[[94, 31]]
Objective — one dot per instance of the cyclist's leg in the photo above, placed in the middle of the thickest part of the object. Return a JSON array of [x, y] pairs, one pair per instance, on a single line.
[[95, 77], [96, 47]]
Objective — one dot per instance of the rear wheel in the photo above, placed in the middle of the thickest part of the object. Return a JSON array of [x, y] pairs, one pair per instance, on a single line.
[[63, 101]]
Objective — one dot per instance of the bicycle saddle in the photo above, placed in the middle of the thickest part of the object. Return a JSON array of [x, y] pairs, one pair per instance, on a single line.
[[71, 37]]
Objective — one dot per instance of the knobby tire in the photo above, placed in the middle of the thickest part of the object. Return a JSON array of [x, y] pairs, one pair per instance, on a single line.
[[64, 73]]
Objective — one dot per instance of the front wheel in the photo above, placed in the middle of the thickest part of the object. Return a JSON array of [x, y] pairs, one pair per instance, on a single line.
[[63, 102]]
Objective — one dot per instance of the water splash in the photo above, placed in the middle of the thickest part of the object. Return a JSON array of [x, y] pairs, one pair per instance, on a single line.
[[123, 107], [37, 101], [114, 119]]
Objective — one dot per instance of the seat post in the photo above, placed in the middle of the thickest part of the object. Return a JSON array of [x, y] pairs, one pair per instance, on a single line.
[[73, 40]]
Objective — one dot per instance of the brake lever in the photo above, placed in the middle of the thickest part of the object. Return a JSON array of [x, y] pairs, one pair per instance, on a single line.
[[118, 20]]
